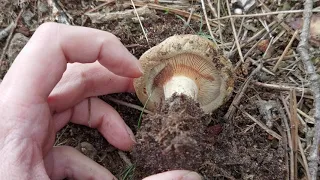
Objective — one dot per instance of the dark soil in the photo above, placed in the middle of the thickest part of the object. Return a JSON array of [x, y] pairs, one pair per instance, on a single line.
[[179, 136], [168, 139]]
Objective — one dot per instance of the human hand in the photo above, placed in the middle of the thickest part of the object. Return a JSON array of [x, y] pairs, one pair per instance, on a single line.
[[47, 86]]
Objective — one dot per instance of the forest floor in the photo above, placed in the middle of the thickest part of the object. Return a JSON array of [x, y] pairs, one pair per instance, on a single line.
[[252, 133]]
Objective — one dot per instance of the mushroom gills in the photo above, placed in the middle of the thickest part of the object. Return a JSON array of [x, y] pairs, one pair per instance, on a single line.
[[180, 85], [186, 74]]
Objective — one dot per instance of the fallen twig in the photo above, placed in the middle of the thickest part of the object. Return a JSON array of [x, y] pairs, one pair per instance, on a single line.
[[235, 33], [314, 86], [6, 31], [304, 159], [176, 11], [286, 124], [263, 126], [100, 6], [294, 133], [263, 14], [238, 97], [143, 30], [128, 105], [125, 158], [97, 17], [10, 36], [285, 51], [282, 87], [58, 13], [283, 24], [206, 19]]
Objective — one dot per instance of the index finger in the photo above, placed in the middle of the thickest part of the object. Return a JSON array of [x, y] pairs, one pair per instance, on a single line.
[[42, 62]]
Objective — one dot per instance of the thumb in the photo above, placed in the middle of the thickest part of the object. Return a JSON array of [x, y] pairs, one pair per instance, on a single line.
[[175, 175]]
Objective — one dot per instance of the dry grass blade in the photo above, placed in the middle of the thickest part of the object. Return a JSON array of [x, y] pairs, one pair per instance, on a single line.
[[219, 25], [304, 159], [235, 33], [263, 126], [288, 134], [128, 105], [282, 87], [314, 86], [263, 14], [285, 51], [240, 94], [176, 11], [283, 24], [100, 6], [206, 18], [143, 30], [294, 132]]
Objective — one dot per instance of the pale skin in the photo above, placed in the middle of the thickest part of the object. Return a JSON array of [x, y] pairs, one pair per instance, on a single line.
[[48, 86]]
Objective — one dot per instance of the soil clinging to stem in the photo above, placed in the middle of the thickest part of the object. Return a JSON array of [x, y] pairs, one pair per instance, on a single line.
[[178, 137], [167, 139]]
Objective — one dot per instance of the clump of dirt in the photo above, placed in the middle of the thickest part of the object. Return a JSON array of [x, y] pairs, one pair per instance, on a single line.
[[179, 137], [168, 139]]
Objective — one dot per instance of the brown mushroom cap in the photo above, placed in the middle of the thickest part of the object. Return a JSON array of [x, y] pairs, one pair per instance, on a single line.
[[186, 55]]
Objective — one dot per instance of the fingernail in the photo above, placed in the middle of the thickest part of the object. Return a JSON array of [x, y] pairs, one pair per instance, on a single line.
[[131, 134], [192, 176]]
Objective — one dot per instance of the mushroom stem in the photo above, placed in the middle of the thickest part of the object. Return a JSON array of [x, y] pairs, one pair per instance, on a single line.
[[180, 85]]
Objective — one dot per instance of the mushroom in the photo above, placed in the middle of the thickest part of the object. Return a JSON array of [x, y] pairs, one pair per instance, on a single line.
[[185, 64]]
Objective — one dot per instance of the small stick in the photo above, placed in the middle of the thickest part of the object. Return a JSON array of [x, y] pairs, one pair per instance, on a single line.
[[276, 58], [288, 134], [175, 11], [310, 119], [144, 32], [238, 34], [294, 131], [213, 11], [263, 14], [128, 105], [100, 6], [314, 80], [219, 27], [235, 34], [5, 32], [207, 22], [10, 36], [191, 13], [282, 87], [263, 126], [285, 51], [238, 97], [125, 158], [283, 24], [304, 159], [254, 62]]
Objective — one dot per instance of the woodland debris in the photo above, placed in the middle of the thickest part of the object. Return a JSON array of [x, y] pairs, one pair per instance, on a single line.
[[267, 109], [98, 17], [87, 149], [303, 49], [242, 6], [17, 43], [314, 38], [6, 31], [58, 13]]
